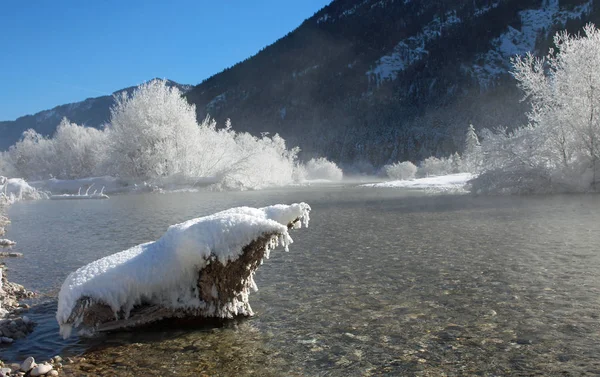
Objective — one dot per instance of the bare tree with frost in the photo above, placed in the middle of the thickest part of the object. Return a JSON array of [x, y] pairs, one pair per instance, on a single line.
[[561, 143], [152, 131]]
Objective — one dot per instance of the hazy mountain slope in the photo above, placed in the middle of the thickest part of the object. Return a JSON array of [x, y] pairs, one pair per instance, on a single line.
[[381, 80], [93, 112]]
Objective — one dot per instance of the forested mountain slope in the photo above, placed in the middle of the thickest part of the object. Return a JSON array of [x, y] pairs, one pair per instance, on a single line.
[[384, 80]]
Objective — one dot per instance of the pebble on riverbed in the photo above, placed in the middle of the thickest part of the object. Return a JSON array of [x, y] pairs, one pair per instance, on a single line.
[[3, 222], [6, 243], [30, 368]]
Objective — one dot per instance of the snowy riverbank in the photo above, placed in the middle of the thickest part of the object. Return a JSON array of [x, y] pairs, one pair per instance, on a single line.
[[443, 183]]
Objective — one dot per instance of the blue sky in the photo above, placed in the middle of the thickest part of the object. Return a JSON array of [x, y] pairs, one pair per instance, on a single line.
[[56, 52]]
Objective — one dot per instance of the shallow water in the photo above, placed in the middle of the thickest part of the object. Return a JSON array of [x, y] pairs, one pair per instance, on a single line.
[[383, 282]]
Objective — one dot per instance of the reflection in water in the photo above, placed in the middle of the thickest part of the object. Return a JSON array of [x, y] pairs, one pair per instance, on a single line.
[[232, 349], [383, 282]]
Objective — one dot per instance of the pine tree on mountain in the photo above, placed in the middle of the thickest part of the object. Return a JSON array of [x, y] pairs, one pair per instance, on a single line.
[[471, 140], [472, 151]]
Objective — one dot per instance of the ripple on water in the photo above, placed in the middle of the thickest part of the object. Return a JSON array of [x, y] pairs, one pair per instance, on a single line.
[[383, 283]]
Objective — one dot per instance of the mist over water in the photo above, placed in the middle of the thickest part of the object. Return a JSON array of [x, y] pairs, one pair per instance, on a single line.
[[382, 282]]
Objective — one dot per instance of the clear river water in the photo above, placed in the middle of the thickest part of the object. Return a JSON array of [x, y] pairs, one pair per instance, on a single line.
[[383, 282]]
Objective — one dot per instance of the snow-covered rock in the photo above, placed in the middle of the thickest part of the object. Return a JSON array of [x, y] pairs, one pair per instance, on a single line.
[[17, 189], [5, 243], [169, 272]]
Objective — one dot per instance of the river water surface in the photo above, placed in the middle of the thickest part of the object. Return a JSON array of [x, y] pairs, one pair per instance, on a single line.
[[383, 282]]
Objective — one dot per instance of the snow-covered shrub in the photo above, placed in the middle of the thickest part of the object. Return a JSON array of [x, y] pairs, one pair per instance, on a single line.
[[322, 168], [259, 162], [6, 166], [299, 173], [401, 170], [524, 181], [17, 189], [435, 166]]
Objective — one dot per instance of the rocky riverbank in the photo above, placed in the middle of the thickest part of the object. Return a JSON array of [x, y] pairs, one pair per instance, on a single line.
[[14, 323], [30, 368]]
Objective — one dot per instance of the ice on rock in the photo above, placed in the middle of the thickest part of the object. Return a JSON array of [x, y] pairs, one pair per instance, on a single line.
[[168, 273]]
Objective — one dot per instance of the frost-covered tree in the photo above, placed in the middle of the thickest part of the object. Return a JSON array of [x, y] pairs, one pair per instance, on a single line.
[[561, 143], [152, 132], [401, 170], [73, 152], [457, 163], [564, 89], [32, 156], [471, 158], [433, 166], [153, 136], [78, 151], [471, 140]]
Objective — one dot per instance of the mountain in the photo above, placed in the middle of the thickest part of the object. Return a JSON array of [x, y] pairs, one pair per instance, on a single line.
[[93, 112], [375, 81]]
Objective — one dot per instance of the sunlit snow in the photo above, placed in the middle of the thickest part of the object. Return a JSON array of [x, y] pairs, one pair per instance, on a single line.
[[443, 182], [518, 42], [165, 272]]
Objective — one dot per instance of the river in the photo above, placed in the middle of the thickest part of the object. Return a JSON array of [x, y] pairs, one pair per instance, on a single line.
[[383, 282]]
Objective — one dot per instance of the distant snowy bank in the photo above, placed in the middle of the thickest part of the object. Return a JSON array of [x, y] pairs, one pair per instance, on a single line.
[[203, 267], [113, 185], [444, 183]]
